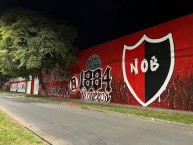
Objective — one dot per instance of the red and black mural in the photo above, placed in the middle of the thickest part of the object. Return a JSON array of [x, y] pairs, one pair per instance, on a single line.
[[153, 68], [150, 68], [95, 83], [56, 84]]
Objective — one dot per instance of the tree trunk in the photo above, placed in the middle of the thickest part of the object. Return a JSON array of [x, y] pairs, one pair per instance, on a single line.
[[42, 83]]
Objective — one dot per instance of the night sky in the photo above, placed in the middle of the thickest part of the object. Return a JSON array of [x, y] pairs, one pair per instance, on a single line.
[[98, 21]]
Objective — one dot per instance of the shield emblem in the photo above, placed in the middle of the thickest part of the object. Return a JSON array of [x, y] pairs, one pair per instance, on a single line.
[[148, 66]]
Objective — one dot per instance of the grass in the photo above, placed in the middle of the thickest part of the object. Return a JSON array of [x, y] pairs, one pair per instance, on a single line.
[[12, 133], [151, 113], [162, 114]]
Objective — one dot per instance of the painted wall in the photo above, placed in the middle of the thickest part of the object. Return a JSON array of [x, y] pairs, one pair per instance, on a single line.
[[153, 67], [29, 87], [33, 85], [17, 86], [56, 84], [36, 86]]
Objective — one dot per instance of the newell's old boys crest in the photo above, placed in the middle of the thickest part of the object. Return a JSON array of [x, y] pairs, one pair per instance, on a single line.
[[148, 66]]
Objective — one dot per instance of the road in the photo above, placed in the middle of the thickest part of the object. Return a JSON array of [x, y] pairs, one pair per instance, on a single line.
[[76, 126]]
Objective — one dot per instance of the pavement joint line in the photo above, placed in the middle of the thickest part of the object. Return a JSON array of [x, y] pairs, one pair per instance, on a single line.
[[49, 139]]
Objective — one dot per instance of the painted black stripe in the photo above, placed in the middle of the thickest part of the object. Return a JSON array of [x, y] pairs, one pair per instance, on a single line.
[[154, 80]]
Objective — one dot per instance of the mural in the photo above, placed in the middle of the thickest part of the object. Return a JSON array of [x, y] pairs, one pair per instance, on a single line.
[[18, 87], [56, 84], [153, 68], [94, 85], [150, 68]]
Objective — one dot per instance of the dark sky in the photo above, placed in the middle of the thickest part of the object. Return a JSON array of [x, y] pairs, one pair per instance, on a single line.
[[98, 21]]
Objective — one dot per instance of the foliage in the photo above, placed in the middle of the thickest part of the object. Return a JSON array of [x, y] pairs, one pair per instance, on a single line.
[[4, 79], [30, 41]]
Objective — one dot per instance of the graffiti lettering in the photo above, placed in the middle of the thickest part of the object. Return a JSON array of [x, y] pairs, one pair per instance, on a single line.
[[144, 65], [93, 79], [153, 64], [55, 91], [73, 84], [96, 96], [55, 76], [92, 82], [60, 91], [18, 87]]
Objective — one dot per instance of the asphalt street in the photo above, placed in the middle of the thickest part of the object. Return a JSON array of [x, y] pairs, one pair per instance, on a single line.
[[77, 126]]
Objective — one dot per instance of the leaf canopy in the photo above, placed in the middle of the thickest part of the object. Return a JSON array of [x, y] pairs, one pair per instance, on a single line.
[[30, 41]]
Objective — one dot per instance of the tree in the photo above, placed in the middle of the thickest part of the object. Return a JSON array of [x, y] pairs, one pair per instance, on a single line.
[[31, 42], [3, 80]]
